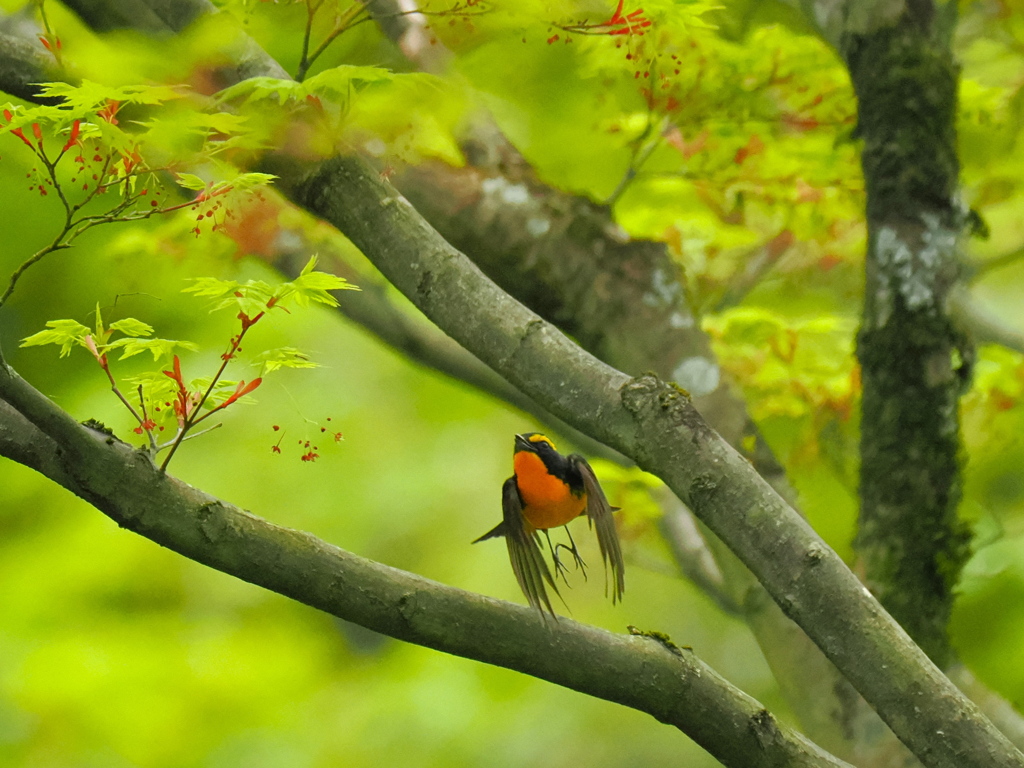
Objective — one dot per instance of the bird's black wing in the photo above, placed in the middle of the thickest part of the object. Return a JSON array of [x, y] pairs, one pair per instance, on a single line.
[[528, 562], [599, 512]]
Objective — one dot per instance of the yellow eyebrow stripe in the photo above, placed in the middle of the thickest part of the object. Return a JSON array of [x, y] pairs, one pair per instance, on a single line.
[[541, 439]]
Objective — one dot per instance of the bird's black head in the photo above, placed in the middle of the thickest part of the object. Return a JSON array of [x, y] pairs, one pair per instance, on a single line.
[[535, 442]]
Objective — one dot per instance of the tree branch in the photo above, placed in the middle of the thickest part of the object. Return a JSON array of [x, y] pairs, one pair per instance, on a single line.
[[983, 325], [976, 269], [158, 17], [642, 672], [373, 310], [693, 555], [657, 426], [256, 68], [23, 66]]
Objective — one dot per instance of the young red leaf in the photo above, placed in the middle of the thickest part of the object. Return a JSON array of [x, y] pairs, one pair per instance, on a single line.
[[21, 135], [73, 136], [241, 390]]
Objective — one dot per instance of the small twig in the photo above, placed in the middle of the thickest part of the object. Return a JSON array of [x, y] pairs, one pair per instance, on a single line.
[[96, 187], [181, 437], [359, 14], [304, 61], [116, 391], [643, 148], [51, 169], [348, 20], [975, 270], [73, 227], [756, 263], [692, 553], [34, 259], [145, 416], [203, 417], [194, 417]]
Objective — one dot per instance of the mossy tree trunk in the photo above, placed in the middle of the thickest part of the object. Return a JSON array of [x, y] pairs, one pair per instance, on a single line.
[[913, 360]]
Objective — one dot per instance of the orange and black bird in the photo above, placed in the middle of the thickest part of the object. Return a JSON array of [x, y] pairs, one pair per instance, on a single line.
[[549, 490]]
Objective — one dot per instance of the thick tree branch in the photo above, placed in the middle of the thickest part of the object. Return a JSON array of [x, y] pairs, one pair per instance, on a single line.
[[373, 310], [160, 17], [642, 672], [622, 299], [512, 222], [23, 442], [23, 65], [657, 426], [566, 259]]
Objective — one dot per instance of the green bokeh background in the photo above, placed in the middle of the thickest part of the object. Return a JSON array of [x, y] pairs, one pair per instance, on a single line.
[[117, 652], [114, 652]]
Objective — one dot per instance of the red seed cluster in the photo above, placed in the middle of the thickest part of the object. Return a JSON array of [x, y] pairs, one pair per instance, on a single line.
[[633, 24], [309, 451], [89, 168], [210, 206]]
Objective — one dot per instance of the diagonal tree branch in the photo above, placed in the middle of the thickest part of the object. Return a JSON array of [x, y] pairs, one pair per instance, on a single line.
[[643, 672], [975, 270], [23, 65], [373, 310], [611, 356], [623, 300], [657, 426], [984, 326]]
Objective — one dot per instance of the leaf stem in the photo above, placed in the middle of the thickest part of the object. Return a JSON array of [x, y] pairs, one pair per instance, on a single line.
[[643, 148], [348, 20], [116, 391], [192, 418], [181, 437], [145, 417], [304, 61]]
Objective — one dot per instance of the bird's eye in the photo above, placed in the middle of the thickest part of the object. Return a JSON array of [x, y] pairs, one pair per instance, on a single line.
[[538, 439]]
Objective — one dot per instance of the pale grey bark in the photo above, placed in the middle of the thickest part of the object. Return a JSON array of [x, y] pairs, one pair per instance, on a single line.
[[640, 671], [656, 425], [255, 68]]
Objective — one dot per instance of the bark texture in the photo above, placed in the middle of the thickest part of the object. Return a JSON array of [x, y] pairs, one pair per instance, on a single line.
[[639, 671], [913, 360], [499, 207], [656, 425], [23, 66]]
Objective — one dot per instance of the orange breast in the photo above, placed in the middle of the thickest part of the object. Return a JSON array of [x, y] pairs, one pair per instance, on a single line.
[[547, 501]]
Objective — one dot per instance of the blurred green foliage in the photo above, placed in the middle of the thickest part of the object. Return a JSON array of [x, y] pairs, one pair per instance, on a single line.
[[735, 129]]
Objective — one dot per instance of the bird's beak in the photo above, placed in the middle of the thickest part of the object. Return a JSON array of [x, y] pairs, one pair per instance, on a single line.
[[522, 444]]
